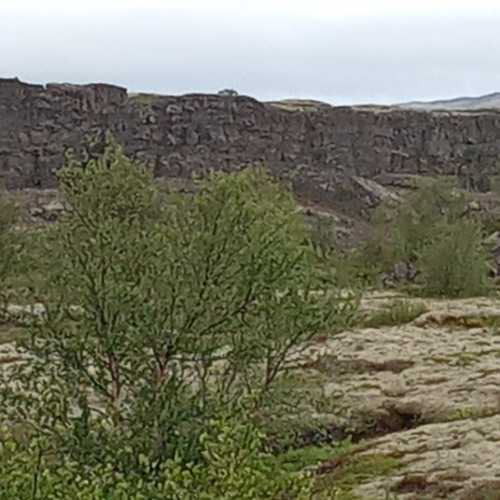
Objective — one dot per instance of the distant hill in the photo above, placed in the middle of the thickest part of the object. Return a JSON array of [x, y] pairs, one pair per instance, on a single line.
[[487, 101]]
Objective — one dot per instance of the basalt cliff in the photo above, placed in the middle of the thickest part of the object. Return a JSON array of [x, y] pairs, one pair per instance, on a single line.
[[345, 158]]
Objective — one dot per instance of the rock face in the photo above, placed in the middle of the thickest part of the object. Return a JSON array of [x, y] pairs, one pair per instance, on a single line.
[[323, 154], [430, 388]]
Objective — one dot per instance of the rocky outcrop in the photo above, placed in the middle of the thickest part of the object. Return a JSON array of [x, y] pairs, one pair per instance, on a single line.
[[429, 391], [454, 461], [320, 153]]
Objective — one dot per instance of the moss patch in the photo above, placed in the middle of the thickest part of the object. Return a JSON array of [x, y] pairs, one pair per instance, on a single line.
[[340, 476], [144, 99], [399, 312], [296, 460], [471, 413], [10, 333]]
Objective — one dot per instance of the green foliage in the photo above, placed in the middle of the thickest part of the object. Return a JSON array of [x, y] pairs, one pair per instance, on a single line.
[[433, 232], [10, 332], [233, 467], [360, 267], [30, 272], [354, 469], [419, 220], [323, 236], [9, 243], [399, 312], [299, 459], [401, 233], [160, 318], [454, 264], [334, 267]]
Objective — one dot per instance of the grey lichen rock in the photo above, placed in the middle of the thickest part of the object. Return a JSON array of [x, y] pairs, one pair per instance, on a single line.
[[431, 387]]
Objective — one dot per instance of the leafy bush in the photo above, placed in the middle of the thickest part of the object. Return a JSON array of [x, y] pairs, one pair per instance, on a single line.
[[233, 467], [433, 232], [419, 220], [455, 263], [160, 318], [402, 232]]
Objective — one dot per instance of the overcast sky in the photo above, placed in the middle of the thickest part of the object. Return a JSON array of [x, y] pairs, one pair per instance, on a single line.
[[348, 51]]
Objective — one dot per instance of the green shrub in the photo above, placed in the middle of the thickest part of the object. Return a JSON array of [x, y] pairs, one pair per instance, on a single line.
[[160, 318], [233, 467], [360, 267], [401, 232], [434, 233], [418, 221], [454, 264]]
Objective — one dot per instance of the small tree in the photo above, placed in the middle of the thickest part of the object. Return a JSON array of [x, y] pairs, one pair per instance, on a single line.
[[402, 233], [158, 319], [419, 220], [455, 263]]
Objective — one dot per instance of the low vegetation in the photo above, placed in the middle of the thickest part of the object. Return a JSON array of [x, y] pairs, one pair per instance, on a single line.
[[232, 466], [434, 238], [353, 469], [397, 312], [455, 262], [9, 246]]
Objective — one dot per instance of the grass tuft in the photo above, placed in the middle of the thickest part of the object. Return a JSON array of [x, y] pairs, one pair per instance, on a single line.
[[399, 312]]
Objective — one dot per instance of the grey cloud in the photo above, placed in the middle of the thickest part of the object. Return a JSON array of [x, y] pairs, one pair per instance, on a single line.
[[357, 60]]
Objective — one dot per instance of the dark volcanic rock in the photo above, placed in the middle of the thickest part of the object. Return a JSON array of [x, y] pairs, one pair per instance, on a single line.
[[325, 155]]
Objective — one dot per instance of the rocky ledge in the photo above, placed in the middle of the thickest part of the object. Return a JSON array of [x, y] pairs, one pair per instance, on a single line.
[[340, 157], [429, 388]]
